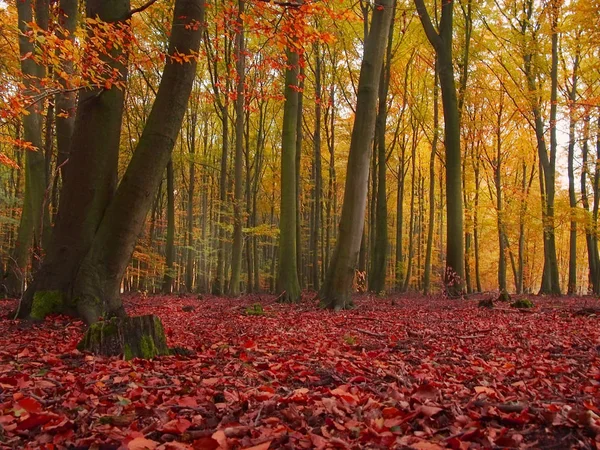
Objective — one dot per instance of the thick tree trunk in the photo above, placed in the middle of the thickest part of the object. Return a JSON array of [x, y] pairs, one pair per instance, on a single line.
[[92, 292], [90, 176], [288, 285], [336, 291]]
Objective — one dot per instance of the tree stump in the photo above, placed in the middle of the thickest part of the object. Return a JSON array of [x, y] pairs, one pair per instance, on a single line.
[[132, 337], [504, 296]]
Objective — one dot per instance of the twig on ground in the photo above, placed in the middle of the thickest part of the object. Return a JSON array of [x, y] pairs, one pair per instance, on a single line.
[[514, 310], [372, 333]]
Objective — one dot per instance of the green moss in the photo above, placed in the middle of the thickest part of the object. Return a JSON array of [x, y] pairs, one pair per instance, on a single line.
[[522, 303], [110, 327], [255, 310], [147, 347], [127, 353], [45, 303]]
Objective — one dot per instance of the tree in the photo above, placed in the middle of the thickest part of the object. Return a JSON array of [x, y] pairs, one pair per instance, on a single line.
[[236, 258], [441, 41], [380, 249], [288, 285], [336, 290], [167, 286], [85, 280], [31, 226]]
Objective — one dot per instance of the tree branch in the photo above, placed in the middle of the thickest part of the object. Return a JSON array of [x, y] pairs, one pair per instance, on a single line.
[[144, 7], [432, 35]]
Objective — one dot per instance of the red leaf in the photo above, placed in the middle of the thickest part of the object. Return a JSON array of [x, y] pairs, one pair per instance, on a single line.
[[30, 405], [178, 426], [141, 443], [205, 443], [35, 420]]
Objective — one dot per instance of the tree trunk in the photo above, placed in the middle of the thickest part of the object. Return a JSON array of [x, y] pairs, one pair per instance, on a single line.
[[190, 252], [442, 43], [288, 285], [90, 177], [550, 278], [316, 228], [236, 258], [95, 280], [572, 92], [30, 231], [431, 224], [66, 102], [167, 286], [590, 235], [298, 156], [380, 248], [336, 291]]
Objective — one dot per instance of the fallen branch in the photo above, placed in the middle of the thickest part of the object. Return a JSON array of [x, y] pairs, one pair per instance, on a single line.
[[514, 310], [507, 407], [473, 336], [371, 333]]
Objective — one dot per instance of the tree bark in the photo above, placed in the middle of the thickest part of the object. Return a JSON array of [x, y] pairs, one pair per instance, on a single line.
[[432, 155], [316, 228], [90, 177], [236, 257], [288, 286], [93, 290], [30, 232], [442, 43], [336, 290], [66, 102], [572, 93], [167, 286], [380, 248]]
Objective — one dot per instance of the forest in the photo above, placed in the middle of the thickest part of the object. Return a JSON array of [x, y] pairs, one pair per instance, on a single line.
[[299, 224]]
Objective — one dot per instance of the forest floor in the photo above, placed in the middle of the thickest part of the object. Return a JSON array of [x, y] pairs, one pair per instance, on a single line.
[[418, 373]]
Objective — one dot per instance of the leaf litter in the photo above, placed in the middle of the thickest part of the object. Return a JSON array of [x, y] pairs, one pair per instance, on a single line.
[[415, 373]]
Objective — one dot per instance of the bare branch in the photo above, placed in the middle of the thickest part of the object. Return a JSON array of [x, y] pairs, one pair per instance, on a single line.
[[144, 7]]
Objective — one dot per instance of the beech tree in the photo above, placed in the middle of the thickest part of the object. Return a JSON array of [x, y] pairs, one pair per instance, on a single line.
[[30, 234], [337, 288], [441, 41], [97, 227]]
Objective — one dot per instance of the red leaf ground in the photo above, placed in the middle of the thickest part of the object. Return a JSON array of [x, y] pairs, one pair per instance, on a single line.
[[420, 374]]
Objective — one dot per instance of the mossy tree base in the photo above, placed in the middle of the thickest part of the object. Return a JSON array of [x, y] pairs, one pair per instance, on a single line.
[[49, 302], [504, 296], [132, 337]]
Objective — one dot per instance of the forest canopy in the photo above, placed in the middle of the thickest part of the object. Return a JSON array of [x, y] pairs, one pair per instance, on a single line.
[[267, 132]]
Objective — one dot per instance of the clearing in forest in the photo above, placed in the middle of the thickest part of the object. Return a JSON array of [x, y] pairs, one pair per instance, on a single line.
[[421, 373]]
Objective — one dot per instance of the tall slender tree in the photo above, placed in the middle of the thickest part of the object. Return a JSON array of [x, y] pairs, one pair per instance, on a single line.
[[441, 41], [337, 288], [288, 285]]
